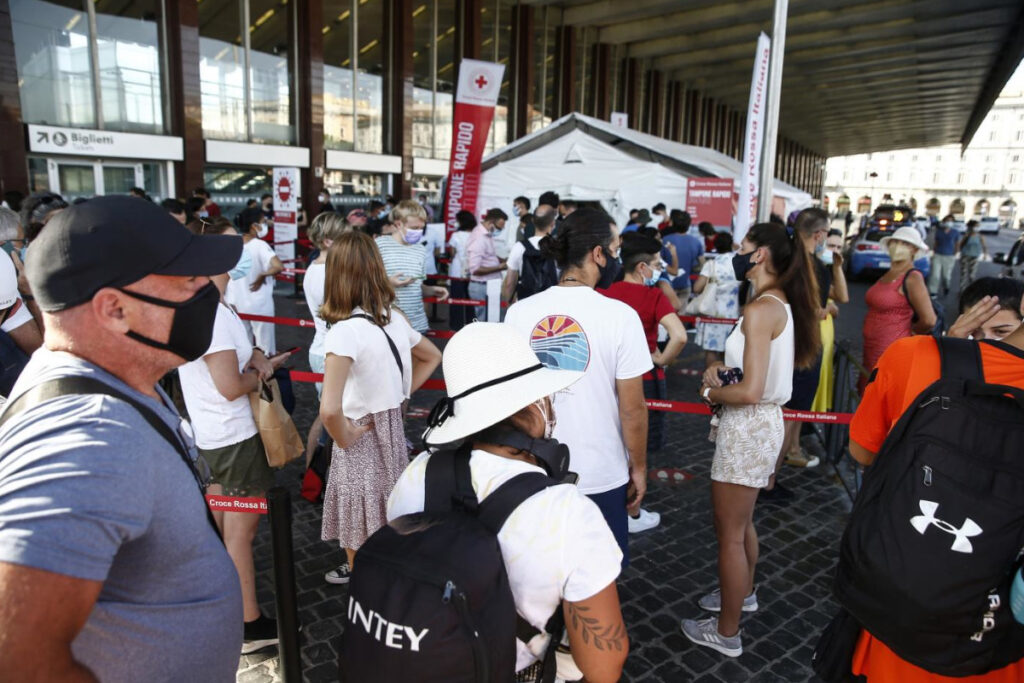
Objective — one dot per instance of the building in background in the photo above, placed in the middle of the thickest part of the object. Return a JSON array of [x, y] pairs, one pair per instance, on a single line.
[[987, 180]]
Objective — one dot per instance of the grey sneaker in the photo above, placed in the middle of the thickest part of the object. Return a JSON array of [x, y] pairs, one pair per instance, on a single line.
[[705, 633], [339, 575], [712, 602]]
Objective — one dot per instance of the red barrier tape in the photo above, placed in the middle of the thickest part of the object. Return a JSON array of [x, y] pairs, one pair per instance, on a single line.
[[454, 302], [294, 271], [439, 334], [290, 322], [663, 406], [705, 319], [256, 506]]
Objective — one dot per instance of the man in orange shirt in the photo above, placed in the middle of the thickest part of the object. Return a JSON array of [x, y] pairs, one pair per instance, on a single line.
[[907, 368]]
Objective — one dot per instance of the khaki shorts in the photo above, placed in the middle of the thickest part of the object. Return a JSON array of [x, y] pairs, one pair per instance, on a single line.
[[240, 468]]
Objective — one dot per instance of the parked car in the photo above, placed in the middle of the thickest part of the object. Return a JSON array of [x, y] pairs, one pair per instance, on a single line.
[[1005, 265], [865, 256], [988, 225]]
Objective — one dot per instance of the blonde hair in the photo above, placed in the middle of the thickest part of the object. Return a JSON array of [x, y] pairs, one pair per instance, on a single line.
[[330, 225], [356, 278], [407, 209]]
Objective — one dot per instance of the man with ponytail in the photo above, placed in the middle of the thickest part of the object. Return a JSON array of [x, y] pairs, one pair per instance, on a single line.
[[603, 417], [778, 332]]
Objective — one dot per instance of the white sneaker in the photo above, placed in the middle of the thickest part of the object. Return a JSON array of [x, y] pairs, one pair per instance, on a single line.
[[712, 602], [644, 521], [705, 633], [339, 575]]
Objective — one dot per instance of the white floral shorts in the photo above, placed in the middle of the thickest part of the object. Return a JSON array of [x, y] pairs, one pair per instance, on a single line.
[[747, 444]]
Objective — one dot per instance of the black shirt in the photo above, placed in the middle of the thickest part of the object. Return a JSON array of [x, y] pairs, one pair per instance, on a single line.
[[824, 275]]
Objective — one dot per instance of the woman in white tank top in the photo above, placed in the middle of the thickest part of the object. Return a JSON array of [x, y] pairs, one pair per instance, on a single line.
[[779, 329]]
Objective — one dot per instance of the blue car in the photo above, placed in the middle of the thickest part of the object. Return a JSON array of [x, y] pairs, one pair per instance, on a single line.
[[865, 256]]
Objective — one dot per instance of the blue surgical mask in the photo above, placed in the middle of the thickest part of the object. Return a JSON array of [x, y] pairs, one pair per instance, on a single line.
[[827, 257], [23, 253], [653, 279], [243, 266]]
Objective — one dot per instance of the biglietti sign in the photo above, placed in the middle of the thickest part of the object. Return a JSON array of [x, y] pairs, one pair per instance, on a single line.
[[103, 143]]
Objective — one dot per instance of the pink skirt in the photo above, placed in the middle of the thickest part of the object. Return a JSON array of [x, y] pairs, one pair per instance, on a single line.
[[361, 478]]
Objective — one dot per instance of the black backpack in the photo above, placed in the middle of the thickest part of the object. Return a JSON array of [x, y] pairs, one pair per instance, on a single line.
[[12, 361], [538, 272], [429, 599], [937, 306], [936, 533]]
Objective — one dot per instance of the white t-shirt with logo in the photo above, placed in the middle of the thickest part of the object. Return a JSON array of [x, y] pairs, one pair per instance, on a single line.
[[313, 288], [260, 302], [575, 328], [515, 254], [374, 383], [556, 545], [217, 421]]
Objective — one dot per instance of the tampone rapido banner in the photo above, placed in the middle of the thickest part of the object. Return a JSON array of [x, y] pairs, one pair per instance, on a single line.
[[475, 97], [710, 199]]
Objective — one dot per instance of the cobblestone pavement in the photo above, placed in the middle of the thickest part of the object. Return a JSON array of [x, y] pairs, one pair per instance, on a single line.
[[672, 565]]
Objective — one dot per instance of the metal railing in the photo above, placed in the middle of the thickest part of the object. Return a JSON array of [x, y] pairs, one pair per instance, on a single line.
[[847, 371]]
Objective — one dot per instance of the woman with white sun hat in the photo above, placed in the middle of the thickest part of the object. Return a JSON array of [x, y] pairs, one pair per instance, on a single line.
[[557, 548], [898, 304]]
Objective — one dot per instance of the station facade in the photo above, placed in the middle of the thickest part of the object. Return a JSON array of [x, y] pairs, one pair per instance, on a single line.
[[99, 96]]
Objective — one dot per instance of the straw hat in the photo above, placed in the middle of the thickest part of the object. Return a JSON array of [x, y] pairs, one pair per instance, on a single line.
[[491, 373], [908, 235]]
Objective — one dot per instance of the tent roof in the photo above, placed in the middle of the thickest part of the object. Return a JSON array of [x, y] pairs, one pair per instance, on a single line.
[[688, 160], [859, 75]]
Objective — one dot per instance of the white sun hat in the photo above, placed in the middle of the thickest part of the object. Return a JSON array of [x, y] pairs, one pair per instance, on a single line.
[[491, 373], [908, 235], [8, 282]]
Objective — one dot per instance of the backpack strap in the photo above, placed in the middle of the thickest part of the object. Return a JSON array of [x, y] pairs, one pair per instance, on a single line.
[[449, 482], [961, 359], [78, 385], [391, 343]]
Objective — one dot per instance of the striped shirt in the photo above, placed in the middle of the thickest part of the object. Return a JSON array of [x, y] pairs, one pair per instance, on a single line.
[[407, 259]]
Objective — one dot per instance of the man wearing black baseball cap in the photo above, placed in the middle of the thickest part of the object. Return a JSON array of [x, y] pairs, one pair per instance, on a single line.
[[110, 566]]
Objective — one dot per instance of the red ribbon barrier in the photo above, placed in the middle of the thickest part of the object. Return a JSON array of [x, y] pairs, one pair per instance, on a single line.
[[290, 322], [439, 334], [454, 302], [256, 506], [663, 406], [707, 319]]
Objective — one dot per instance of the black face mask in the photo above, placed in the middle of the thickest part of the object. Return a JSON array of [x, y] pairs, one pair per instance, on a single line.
[[552, 455], [608, 271], [741, 263], [192, 326]]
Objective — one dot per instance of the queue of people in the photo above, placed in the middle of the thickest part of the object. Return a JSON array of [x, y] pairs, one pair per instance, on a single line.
[[101, 546]]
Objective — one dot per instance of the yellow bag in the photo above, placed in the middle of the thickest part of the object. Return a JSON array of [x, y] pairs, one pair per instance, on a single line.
[[280, 438]]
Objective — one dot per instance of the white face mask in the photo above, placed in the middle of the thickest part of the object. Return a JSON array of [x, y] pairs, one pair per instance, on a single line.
[[262, 231], [900, 252], [549, 419]]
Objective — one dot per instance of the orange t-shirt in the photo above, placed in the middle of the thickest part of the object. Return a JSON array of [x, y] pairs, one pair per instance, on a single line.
[[903, 372]]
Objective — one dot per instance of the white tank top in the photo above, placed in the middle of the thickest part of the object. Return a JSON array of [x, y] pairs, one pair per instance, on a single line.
[[778, 386]]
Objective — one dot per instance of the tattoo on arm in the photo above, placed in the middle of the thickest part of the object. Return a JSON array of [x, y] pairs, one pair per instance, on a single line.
[[605, 637]]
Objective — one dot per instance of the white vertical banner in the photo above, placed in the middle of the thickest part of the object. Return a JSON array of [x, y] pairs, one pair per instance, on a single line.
[[753, 142], [286, 196]]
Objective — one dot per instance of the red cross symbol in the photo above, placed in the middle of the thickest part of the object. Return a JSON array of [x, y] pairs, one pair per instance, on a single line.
[[480, 81]]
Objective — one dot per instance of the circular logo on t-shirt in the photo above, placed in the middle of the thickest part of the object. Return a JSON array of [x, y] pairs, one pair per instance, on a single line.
[[561, 344]]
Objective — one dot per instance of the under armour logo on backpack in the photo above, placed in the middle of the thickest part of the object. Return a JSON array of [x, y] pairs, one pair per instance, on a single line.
[[961, 543]]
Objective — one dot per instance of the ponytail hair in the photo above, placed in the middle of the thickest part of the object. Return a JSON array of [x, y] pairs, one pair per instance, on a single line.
[[794, 276]]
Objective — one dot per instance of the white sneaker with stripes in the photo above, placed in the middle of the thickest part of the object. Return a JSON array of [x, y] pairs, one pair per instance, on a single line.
[[704, 632]]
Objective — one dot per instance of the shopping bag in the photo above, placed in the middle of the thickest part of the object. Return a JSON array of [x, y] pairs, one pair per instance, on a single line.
[[280, 438]]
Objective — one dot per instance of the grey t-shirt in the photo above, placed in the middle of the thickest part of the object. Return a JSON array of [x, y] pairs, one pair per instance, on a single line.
[[88, 489]]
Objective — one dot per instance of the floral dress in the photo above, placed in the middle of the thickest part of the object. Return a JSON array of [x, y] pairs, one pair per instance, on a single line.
[[711, 336]]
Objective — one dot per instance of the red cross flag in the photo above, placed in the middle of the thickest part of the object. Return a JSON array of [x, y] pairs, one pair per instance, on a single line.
[[475, 98]]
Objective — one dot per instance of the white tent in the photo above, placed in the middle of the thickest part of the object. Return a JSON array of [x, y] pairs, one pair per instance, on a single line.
[[586, 159]]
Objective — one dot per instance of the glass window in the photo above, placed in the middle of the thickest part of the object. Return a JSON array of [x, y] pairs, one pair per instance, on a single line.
[[118, 179], [128, 45], [51, 48], [153, 180], [339, 111], [350, 189], [222, 70], [76, 180], [446, 75], [370, 72], [423, 80], [496, 45], [231, 188], [270, 71], [38, 175], [545, 35]]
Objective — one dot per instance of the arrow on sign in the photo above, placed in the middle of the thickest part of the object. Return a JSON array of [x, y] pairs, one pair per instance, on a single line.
[[43, 136]]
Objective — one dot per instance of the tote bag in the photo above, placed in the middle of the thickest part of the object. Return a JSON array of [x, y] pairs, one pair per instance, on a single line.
[[280, 438]]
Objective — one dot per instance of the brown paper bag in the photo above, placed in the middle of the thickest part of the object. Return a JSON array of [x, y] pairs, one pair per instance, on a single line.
[[280, 438]]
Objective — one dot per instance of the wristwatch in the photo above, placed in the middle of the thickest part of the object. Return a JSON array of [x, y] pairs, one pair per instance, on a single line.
[[706, 394]]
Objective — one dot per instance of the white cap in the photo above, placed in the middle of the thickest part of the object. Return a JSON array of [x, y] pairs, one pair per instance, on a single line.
[[8, 282]]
